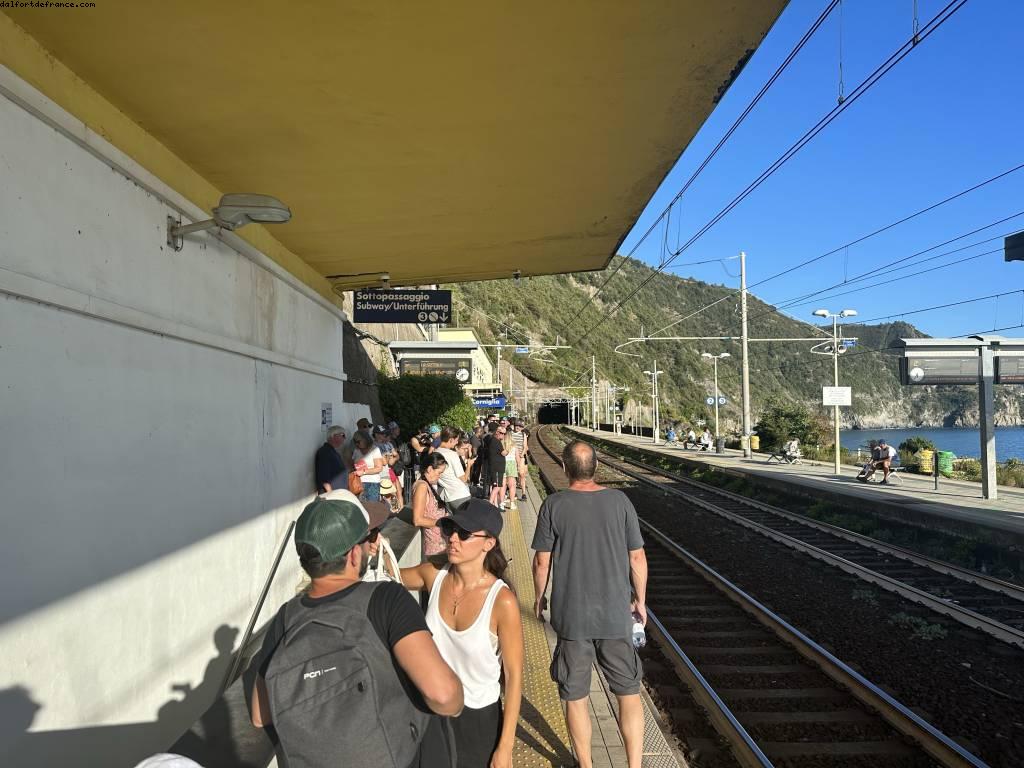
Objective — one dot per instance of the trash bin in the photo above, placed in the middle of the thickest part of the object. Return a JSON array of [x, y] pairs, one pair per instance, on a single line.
[[925, 459], [755, 443], [946, 463], [720, 445]]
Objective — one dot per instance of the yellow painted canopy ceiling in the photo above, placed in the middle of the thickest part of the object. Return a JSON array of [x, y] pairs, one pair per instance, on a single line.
[[438, 141]]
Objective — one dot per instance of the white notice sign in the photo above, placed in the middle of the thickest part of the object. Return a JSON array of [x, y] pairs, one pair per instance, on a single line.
[[326, 416], [835, 396]]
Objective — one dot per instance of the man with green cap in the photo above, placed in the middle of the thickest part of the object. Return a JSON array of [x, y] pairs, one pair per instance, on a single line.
[[348, 670]]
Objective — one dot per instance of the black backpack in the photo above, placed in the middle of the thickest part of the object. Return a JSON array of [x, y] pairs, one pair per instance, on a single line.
[[335, 696], [405, 453]]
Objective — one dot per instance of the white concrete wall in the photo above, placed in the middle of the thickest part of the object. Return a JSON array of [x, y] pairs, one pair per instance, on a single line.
[[159, 411]]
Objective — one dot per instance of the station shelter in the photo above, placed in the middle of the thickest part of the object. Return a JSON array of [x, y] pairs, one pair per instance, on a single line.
[[163, 390]]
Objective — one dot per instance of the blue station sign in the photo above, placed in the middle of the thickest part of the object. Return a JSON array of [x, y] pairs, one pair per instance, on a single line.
[[496, 403], [384, 305]]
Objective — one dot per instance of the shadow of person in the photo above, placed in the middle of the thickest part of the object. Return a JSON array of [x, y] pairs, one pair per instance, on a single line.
[[18, 710], [212, 729], [546, 742], [221, 735]]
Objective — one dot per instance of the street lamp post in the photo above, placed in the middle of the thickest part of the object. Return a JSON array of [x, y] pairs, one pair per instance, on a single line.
[[655, 410], [715, 359], [835, 366]]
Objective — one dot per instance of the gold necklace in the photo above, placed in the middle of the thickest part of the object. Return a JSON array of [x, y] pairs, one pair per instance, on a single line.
[[456, 599]]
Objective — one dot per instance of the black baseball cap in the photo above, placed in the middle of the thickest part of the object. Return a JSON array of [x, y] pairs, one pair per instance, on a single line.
[[380, 429], [478, 515]]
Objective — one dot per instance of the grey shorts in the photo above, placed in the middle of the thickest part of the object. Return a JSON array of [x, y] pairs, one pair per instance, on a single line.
[[573, 659]]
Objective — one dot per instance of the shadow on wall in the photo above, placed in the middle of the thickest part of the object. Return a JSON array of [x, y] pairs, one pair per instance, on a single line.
[[221, 737]]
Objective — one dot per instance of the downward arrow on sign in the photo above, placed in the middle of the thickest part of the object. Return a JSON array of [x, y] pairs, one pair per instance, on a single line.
[[443, 317]]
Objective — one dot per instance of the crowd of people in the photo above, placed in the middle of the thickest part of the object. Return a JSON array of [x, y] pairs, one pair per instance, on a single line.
[[353, 668]]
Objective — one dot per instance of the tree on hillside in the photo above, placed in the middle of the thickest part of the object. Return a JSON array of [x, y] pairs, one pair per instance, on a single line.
[[780, 420]]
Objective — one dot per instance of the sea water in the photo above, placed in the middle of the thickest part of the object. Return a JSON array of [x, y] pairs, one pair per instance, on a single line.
[[962, 442]]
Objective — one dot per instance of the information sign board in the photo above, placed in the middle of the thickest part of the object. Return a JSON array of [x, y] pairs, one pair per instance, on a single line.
[[385, 305], [922, 369], [1009, 370], [836, 396], [459, 367], [522, 350]]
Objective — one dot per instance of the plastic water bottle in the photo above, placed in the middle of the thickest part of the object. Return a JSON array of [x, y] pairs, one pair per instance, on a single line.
[[639, 636]]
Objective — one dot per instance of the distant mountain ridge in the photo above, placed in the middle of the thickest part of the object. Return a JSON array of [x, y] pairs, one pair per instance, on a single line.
[[544, 308]]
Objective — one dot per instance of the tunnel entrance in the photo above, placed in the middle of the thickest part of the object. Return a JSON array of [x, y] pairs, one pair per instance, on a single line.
[[553, 413]]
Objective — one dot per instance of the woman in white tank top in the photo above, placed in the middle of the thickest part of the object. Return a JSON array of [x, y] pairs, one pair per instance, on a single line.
[[474, 618]]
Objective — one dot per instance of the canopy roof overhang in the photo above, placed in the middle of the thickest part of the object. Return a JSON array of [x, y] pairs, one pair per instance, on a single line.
[[437, 142]]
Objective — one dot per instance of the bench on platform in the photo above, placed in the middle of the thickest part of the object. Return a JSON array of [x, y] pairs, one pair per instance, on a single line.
[[784, 458]]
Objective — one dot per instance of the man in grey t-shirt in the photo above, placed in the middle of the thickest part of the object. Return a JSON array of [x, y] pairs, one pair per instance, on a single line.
[[594, 537]]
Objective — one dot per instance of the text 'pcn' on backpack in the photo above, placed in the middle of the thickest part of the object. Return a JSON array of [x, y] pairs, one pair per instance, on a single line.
[[335, 697]]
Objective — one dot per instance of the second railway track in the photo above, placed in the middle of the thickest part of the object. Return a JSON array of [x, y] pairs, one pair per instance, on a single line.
[[974, 599], [776, 696]]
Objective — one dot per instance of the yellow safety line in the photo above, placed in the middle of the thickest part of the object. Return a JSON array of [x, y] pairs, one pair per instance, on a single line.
[[543, 738]]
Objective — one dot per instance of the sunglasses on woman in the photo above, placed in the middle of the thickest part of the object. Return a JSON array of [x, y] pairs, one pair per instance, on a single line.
[[449, 529]]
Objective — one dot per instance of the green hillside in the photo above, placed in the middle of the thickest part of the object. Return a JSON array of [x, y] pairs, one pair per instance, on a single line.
[[550, 307]]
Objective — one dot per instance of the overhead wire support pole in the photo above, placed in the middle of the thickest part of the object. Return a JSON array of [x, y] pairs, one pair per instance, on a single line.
[[835, 383], [746, 357], [593, 392]]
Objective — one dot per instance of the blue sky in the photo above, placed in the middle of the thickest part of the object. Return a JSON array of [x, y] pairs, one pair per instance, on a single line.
[[950, 115]]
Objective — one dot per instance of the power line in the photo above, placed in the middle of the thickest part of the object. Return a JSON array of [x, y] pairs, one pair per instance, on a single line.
[[693, 177], [790, 302], [942, 306], [863, 87], [887, 227], [891, 265]]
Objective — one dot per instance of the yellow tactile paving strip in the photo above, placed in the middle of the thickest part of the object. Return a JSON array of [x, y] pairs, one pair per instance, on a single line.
[[542, 738]]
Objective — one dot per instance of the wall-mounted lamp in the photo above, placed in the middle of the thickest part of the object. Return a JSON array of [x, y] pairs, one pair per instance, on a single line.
[[234, 211], [517, 278], [385, 281]]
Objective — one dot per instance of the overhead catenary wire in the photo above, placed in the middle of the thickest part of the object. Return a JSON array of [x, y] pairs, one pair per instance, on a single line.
[[865, 237], [892, 265], [937, 307], [863, 87], [721, 143]]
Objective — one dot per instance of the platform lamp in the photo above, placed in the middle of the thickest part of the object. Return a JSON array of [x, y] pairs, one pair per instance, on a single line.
[[835, 365], [233, 211]]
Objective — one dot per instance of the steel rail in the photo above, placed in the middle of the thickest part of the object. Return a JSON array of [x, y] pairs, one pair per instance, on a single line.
[[961, 614], [982, 580], [899, 716], [744, 747]]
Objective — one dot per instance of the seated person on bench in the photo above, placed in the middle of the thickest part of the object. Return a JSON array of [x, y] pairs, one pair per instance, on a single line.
[[690, 440], [670, 436], [706, 440], [881, 458], [791, 451]]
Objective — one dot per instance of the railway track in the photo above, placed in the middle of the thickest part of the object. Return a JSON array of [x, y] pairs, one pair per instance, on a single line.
[[776, 696], [974, 599]]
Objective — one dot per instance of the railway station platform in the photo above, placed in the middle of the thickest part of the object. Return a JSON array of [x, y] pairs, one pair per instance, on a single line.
[[956, 506]]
